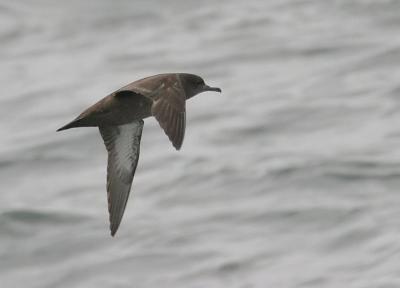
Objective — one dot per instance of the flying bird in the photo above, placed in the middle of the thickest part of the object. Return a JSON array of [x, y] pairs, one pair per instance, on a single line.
[[119, 117]]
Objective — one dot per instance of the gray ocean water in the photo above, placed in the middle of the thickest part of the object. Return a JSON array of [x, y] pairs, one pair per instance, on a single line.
[[289, 178]]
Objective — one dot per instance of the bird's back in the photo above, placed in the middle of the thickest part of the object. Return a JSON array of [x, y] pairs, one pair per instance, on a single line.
[[118, 108]]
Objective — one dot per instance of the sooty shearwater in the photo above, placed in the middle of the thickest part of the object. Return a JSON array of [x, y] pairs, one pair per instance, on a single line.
[[119, 117]]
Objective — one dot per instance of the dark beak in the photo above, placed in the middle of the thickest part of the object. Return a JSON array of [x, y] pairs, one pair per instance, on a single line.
[[215, 89]]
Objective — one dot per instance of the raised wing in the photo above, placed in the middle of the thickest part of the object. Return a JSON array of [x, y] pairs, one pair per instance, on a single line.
[[168, 103], [123, 146], [169, 110]]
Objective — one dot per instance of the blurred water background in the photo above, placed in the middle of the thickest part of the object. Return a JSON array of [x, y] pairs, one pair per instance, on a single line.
[[289, 178]]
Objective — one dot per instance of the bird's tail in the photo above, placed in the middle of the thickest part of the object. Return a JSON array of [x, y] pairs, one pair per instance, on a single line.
[[75, 123]]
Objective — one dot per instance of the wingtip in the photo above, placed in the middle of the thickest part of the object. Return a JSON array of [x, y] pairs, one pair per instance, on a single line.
[[113, 231], [177, 144]]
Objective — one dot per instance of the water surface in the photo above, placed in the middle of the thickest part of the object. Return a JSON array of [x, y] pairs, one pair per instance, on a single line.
[[289, 178]]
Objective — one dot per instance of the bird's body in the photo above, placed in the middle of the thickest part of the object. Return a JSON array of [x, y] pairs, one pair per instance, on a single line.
[[119, 117]]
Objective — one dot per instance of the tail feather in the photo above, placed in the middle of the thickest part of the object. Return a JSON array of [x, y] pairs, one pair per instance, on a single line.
[[72, 124]]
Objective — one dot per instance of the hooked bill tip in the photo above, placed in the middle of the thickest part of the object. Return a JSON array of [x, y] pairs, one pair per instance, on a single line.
[[215, 89]]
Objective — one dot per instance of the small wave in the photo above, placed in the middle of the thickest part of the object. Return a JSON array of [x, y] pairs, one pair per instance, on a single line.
[[33, 216]]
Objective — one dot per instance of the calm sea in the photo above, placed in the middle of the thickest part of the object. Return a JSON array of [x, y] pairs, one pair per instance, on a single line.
[[290, 178]]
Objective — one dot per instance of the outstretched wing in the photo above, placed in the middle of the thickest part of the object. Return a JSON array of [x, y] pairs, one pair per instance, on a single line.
[[169, 110], [168, 97], [123, 146]]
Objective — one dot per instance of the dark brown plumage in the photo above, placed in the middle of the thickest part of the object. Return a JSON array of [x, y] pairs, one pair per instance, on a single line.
[[119, 117]]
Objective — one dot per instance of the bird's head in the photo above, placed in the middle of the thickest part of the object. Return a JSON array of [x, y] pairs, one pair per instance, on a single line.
[[194, 85]]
